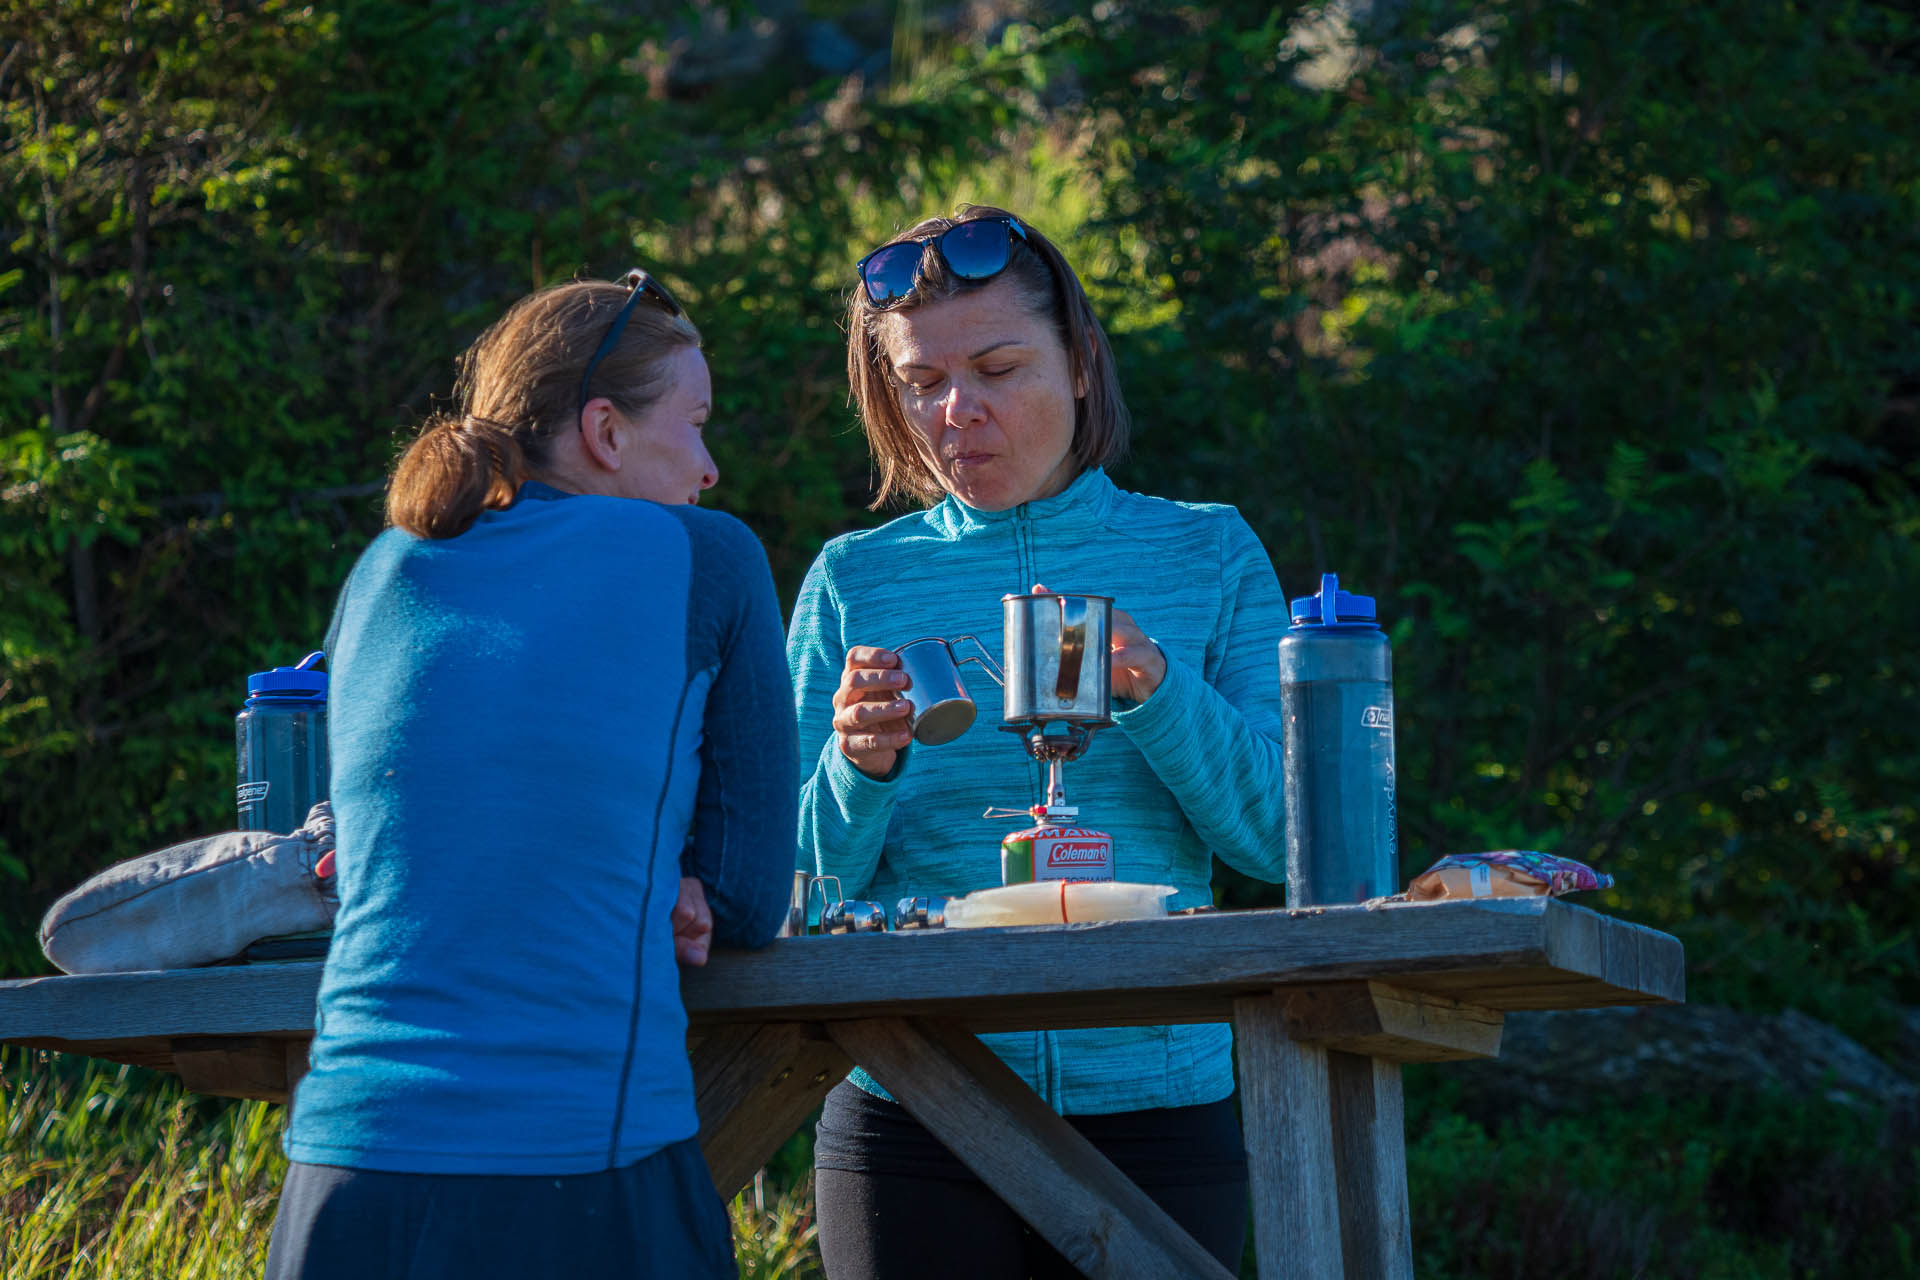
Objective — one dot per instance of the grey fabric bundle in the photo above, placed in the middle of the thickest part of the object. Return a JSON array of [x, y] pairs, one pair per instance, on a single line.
[[195, 903]]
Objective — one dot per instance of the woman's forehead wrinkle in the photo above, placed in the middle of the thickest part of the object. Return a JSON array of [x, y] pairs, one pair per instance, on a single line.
[[992, 347], [907, 350]]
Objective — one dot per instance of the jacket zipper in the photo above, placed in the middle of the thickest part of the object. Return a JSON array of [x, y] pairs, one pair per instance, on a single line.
[[1046, 1050]]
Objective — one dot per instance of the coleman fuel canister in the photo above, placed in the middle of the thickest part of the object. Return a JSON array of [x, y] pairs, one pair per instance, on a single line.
[[1053, 852]]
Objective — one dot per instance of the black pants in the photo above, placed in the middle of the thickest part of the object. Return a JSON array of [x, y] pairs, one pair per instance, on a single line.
[[656, 1217], [893, 1202]]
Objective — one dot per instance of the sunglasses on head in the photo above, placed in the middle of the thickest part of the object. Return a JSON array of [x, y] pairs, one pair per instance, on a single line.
[[977, 249], [640, 284]]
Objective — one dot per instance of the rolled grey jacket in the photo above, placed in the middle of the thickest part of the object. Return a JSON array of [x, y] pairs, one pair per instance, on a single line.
[[195, 902], [1193, 772]]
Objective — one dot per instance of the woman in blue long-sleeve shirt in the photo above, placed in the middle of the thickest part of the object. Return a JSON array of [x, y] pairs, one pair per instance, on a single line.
[[563, 750], [988, 392]]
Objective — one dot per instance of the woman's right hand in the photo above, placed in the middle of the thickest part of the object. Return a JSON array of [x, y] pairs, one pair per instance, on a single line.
[[869, 715]]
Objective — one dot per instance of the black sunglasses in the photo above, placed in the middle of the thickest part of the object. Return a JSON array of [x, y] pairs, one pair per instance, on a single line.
[[640, 284], [978, 249]]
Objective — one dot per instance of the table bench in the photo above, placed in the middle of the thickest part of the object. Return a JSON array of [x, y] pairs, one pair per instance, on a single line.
[[1326, 1004]]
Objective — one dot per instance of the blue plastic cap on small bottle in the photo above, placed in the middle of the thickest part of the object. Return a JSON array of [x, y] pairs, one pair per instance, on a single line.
[[1332, 607], [299, 683]]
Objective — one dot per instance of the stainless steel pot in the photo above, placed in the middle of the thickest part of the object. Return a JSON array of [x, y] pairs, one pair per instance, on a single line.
[[1059, 659]]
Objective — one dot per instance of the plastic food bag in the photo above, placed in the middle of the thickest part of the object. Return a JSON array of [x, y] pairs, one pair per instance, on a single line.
[[1505, 873], [1058, 902]]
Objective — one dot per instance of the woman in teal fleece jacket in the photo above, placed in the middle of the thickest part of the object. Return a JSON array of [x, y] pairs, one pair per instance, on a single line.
[[988, 391]]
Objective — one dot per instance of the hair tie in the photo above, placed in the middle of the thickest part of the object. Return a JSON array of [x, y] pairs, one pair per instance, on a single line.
[[472, 423]]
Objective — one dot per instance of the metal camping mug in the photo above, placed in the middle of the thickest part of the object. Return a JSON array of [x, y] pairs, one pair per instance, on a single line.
[[839, 914], [1059, 658], [939, 707], [920, 913], [796, 925]]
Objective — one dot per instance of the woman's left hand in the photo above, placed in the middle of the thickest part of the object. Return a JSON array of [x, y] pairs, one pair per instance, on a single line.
[[692, 923], [1138, 664]]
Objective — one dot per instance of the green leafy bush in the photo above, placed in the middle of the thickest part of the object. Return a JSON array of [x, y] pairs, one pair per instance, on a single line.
[[1748, 1186], [1500, 313]]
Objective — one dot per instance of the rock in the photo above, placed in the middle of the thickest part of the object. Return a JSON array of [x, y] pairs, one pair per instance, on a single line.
[[828, 49], [1906, 1042], [1552, 1060], [719, 43]]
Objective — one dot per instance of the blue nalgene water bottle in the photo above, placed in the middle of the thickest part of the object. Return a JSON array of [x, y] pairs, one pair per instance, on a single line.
[[281, 735], [1336, 692]]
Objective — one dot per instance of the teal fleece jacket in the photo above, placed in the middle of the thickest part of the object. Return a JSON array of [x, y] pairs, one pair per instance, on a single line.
[[1193, 771]]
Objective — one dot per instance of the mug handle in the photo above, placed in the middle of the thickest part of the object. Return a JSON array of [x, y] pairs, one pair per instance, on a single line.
[[1073, 646], [821, 882], [979, 658]]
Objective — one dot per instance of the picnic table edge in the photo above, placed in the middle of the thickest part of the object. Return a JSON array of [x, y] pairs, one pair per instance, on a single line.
[[1513, 953]]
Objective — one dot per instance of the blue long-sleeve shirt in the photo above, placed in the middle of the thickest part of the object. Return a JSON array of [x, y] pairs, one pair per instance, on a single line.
[[1193, 771], [526, 722]]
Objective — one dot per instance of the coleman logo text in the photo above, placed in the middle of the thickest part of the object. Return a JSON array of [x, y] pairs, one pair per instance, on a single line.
[[1071, 853]]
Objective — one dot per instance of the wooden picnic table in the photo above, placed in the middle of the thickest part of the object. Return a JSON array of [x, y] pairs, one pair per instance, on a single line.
[[1326, 1003]]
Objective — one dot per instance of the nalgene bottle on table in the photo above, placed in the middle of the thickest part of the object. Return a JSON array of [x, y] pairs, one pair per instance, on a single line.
[[1336, 694], [281, 741]]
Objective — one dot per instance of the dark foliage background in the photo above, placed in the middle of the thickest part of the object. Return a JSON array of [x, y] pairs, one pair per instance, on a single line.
[[1583, 336]]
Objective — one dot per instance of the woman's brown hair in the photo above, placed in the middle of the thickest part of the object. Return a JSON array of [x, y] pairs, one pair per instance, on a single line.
[[1049, 289], [518, 390]]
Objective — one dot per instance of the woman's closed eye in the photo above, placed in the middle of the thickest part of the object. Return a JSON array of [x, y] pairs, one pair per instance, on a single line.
[[924, 384]]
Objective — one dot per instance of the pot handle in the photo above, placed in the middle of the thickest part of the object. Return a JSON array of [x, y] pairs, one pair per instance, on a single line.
[[979, 657], [1073, 646]]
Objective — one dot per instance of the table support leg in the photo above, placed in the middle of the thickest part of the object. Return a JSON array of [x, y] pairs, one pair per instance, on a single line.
[[262, 1067], [298, 1061], [1032, 1159], [1370, 1159], [1286, 1113], [753, 1086]]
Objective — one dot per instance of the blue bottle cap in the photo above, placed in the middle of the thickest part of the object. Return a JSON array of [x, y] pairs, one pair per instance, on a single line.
[[1332, 607], [297, 683]]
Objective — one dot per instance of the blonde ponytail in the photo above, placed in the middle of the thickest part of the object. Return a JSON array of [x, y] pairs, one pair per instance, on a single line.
[[457, 468]]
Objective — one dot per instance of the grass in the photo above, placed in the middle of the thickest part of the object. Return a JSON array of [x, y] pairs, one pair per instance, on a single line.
[[107, 1171], [117, 1173]]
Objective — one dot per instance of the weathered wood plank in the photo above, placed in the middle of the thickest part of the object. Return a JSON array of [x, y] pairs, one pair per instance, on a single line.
[[1380, 1021], [1035, 1161], [239, 1000], [968, 974], [1370, 1165], [752, 1088], [1525, 987], [1286, 1112], [238, 1066], [297, 1062], [1631, 955], [1500, 954], [155, 1052]]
